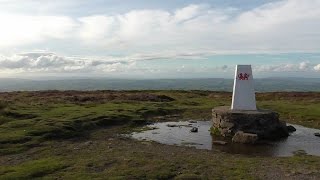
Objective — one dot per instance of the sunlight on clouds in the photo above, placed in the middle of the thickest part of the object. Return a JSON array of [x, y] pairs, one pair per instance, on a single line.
[[51, 62], [303, 66], [96, 27], [19, 30], [189, 12], [193, 32], [285, 26], [317, 67]]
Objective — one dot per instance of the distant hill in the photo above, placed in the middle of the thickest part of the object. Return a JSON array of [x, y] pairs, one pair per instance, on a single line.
[[216, 84]]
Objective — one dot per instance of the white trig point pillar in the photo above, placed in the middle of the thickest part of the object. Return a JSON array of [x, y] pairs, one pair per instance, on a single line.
[[243, 97]]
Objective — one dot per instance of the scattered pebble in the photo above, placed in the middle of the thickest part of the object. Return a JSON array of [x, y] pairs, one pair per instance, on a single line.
[[172, 125], [88, 143], [194, 129]]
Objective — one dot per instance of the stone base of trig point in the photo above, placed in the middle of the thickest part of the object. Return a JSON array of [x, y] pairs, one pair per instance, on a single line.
[[248, 126]]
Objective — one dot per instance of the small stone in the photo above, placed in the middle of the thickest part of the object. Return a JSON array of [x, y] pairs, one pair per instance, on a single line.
[[194, 129], [88, 143], [317, 134], [291, 128], [172, 125], [219, 142], [246, 138], [300, 152]]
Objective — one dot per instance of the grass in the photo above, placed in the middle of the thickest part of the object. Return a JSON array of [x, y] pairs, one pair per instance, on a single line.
[[32, 169], [73, 135]]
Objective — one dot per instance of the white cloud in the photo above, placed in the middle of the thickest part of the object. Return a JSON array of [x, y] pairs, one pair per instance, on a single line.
[[279, 26], [95, 28], [17, 30], [47, 62], [51, 62], [189, 12], [317, 67], [282, 26], [304, 66]]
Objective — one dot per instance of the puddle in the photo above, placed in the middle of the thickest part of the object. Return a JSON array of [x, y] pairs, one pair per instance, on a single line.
[[178, 133]]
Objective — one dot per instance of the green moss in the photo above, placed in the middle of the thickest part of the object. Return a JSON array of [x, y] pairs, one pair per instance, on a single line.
[[215, 131], [31, 169]]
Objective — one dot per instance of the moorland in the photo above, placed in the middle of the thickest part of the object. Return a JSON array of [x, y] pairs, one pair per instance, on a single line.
[[77, 135]]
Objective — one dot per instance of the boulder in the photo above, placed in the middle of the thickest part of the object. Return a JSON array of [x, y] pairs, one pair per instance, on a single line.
[[246, 138], [291, 129]]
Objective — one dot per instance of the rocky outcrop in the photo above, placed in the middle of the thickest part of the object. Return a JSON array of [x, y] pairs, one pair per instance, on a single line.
[[245, 138], [264, 123]]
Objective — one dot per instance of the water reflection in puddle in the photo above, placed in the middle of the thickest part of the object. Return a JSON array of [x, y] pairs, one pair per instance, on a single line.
[[178, 133]]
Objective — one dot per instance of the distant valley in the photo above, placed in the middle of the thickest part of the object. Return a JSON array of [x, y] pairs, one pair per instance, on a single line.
[[213, 84]]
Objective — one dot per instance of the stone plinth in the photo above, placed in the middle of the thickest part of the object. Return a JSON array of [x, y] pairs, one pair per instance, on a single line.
[[264, 123]]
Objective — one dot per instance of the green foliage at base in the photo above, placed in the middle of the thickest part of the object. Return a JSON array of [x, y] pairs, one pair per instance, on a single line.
[[215, 131]]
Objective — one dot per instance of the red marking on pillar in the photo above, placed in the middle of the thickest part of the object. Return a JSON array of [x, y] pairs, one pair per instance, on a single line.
[[244, 76]]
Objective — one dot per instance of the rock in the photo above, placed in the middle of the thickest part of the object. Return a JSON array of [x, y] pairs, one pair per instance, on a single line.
[[194, 129], [172, 125], [88, 143], [225, 124], [246, 138], [300, 152], [291, 128], [185, 125], [317, 134], [264, 123], [219, 142]]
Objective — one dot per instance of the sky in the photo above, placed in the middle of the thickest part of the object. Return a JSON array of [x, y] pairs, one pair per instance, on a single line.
[[158, 39]]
